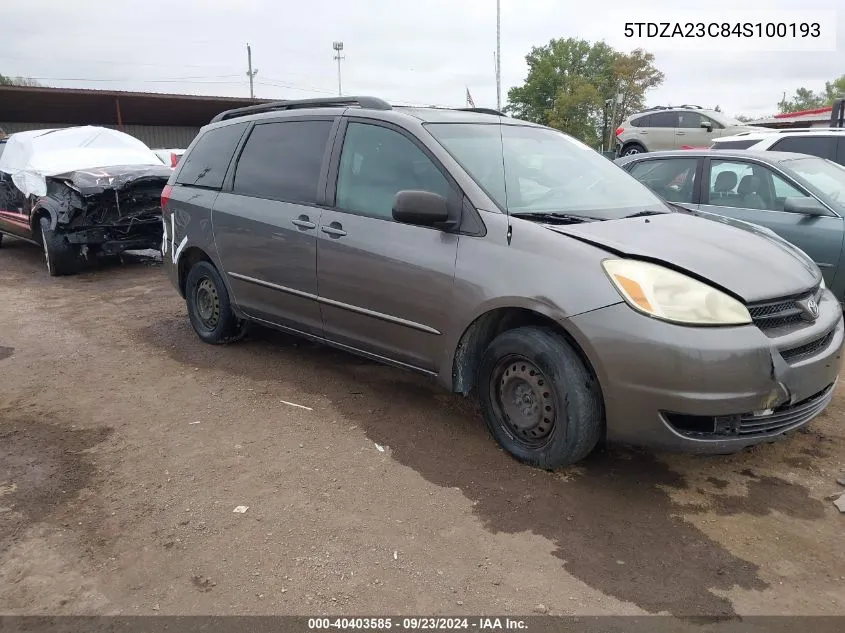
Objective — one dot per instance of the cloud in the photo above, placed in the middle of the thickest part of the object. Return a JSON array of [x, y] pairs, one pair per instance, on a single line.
[[414, 53]]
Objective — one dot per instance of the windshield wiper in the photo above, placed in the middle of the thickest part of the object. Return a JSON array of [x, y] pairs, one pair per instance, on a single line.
[[642, 214], [560, 218]]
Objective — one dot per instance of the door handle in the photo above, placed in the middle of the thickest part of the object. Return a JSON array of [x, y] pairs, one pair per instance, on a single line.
[[304, 222], [334, 230], [680, 133]]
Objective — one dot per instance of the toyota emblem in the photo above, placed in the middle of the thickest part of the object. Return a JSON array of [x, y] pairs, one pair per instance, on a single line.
[[810, 308]]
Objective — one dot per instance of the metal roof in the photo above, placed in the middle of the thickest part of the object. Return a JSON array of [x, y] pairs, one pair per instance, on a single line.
[[103, 107]]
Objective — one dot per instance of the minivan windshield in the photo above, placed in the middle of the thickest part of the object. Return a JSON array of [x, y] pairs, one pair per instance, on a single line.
[[824, 175], [527, 169]]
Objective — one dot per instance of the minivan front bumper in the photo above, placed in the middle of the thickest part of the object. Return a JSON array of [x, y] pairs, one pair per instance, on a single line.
[[709, 389]]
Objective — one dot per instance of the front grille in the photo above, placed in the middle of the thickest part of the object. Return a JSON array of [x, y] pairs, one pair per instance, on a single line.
[[807, 349], [748, 425], [785, 416], [772, 315]]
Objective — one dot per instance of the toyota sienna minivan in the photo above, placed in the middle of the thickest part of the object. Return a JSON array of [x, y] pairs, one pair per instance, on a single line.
[[506, 259]]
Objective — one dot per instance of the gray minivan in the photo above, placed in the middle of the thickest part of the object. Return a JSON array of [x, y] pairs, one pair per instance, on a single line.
[[504, 258]]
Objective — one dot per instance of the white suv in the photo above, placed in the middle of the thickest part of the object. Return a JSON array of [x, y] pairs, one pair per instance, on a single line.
[[679, 127], [822, 142]]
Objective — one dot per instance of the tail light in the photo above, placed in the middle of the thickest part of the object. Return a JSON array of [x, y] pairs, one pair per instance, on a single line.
[[619, 131], [174, 159], [165, 195]]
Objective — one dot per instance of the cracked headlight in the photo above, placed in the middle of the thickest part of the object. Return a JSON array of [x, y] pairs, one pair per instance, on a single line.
[[668, 295]]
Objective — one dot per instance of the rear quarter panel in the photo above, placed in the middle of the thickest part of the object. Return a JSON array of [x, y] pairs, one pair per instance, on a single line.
[[188, 224]]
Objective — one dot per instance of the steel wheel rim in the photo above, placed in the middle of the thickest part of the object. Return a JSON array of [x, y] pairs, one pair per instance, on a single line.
[[207, 302], [631, 151], [524, 401]]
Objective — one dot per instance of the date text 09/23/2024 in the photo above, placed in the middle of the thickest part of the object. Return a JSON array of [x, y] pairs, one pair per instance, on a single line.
[[417, 624]]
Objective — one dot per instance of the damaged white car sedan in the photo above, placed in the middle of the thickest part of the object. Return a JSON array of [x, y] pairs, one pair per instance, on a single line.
[[80, 192]]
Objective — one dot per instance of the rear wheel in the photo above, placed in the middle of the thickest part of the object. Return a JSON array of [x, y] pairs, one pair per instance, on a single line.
[[59, 254], [539, 400], [209, 308], [631, 149]]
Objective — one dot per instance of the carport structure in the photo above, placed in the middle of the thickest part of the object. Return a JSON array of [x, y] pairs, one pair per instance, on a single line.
[[159, 120]]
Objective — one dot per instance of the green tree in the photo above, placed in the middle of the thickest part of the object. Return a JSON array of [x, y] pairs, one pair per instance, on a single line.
[[569, 81], [806, 99], [17, 81]]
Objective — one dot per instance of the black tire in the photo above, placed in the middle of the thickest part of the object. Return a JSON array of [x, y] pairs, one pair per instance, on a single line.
[[61, 256], [631, 149], [540, 401], [209, 308]]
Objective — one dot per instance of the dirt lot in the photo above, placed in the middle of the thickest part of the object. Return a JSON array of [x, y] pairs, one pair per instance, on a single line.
[[125, 445]]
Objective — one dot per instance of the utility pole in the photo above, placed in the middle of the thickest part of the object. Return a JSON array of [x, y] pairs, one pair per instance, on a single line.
[[250, 73], [499, 55], [338, 49]]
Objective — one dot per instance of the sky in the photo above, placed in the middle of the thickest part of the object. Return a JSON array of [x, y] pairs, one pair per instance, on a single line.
[[423, 53]]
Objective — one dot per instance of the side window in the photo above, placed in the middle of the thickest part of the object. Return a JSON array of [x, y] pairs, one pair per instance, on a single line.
[[206, 164], [748, 186], [281, 161], [642, 121], [782, 190], [690, 120], [671, 179], [375, 164], [840, 151], [664, 119], [821, 146]]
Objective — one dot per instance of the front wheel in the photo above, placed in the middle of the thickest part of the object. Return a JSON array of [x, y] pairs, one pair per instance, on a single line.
[[60, 255], [209, 308], [539, 400]]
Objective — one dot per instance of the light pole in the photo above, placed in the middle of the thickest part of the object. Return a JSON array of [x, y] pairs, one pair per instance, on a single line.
[[338, 49]]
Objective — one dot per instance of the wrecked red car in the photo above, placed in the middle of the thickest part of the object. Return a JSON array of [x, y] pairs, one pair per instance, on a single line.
[[81, 192]]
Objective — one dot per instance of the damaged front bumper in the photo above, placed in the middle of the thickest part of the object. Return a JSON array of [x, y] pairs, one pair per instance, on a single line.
[[710, 390], [111, 209]]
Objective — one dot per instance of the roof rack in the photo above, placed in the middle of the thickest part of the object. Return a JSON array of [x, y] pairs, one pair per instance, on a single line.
[[373, 103], [686, 105], [482, 111]]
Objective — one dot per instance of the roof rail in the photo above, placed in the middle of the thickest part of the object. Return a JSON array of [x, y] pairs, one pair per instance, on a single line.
[[374, 103], [789, 130], [492, 111]]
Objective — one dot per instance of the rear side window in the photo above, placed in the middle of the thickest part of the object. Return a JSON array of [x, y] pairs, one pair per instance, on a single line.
[[744, 144], [642, 121], [821, 146], [205, 165], [281, 161], [664, 119]]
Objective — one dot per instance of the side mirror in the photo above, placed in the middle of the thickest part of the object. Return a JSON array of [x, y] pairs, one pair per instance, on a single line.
[[707, 125], [421, 208], [804, 205]]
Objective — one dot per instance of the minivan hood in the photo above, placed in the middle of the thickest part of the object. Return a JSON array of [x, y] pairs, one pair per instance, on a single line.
[[746, 262]]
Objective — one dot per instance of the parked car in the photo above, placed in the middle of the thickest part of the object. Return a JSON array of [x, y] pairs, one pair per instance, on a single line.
[[504, 258], [665, 128], [799, 197], [822, 142], [79, 192], [169, 157]]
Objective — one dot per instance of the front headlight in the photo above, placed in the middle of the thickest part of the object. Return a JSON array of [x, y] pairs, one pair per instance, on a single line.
[[671, 296]]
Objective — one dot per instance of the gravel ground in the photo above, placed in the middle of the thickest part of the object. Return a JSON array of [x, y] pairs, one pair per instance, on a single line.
[[126, 444]]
